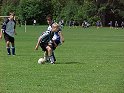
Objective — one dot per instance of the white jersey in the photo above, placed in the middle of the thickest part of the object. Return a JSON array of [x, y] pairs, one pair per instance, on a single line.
[[49, 28], [56, 35]]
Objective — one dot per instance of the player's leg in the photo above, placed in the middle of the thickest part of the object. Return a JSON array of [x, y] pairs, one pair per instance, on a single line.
[[58, 42], [53, 47], [8, 47], [7, 40], [46, 58], [43, 46], [53, 55], [49, 50], [13, 48], [13, 45]]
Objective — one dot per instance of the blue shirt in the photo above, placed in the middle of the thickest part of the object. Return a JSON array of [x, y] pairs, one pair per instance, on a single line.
[[9, 27]]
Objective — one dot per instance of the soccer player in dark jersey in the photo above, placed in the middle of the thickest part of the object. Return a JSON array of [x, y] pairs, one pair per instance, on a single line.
[[98, 24], [46, 42], [110, 24], [8, 29]]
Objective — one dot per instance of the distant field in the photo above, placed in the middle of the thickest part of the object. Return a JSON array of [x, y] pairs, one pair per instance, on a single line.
[[90, 61]]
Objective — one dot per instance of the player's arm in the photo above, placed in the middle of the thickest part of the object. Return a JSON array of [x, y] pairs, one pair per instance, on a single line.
[[1, 34], [2, 29], [38, 43], [54, 43], [15, 31], [61, 36], [15, 28]]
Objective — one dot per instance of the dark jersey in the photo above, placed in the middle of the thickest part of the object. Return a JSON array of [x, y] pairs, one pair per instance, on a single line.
[[46, 37]]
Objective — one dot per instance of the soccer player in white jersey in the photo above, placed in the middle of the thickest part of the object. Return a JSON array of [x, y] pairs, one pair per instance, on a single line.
[[8, 29], [58, 36], [46, 43], [116, 24]]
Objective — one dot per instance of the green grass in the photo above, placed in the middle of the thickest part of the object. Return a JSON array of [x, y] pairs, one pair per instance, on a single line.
[[90, 61]]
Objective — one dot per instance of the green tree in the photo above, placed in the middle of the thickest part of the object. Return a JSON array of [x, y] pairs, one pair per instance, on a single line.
[[91, 10], [34, 9], [8, 5], [70, 10]]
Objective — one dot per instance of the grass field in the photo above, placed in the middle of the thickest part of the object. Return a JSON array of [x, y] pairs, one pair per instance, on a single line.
[[90, 61]]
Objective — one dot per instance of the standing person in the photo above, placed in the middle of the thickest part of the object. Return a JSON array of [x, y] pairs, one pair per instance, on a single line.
[[46, 43], [110, 24], [97, 24], [58, 36], [34, 22], [116, 24], [61, 23], [122, 24], [8, 29]]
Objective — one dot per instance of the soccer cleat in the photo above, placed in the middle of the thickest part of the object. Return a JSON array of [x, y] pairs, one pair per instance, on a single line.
[[52, 62], [13, 54]]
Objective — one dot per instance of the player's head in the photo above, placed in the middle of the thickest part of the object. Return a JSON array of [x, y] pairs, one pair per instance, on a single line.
[[49, 19], [11, 15], [55, 27]]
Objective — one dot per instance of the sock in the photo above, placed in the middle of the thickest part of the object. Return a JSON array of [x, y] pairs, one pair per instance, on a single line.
[[53, 56], [8, 50], [46, 57], [13, 50], [51, 59]]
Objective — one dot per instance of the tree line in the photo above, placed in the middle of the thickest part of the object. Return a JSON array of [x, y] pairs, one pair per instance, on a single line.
[[78, 10]]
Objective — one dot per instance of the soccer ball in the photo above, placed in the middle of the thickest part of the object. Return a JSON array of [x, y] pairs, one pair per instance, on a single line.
[[41, 61]]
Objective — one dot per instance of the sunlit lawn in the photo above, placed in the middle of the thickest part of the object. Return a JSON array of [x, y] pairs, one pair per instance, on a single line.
[[90, 61]]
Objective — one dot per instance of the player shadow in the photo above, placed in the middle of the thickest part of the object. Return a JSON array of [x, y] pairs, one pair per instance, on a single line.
[[74, 62]]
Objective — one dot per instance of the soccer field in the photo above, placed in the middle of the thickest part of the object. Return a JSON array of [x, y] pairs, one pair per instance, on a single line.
[[90, 61]]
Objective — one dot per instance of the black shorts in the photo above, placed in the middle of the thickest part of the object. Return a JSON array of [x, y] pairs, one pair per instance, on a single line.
[[44, 45], [8, 38]]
